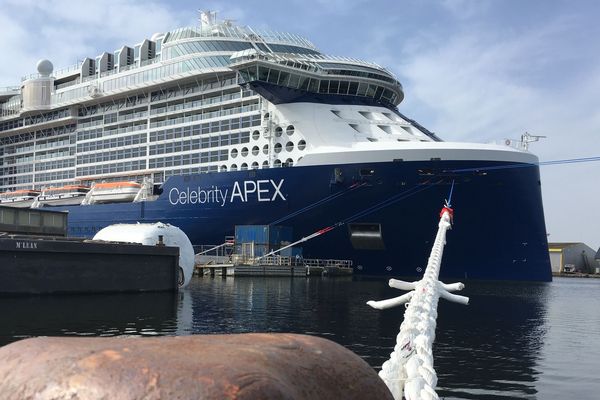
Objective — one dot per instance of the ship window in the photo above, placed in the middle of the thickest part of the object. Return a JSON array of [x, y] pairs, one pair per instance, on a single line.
[[294, 81], [283, 78], [368, 115], [370, 139], [277, 163], [289, 146], [234, 153], [389, 116], [243, 167], [234, 167], [254, 165], [353, 88], [263, 74], [273, 76], [244, 152], [223, 168], [278, 131], [355, 127], [301, 144], [386, 128], [343, 87], [255, 135], [265, 164], [289, 162], [255, 150], [324, 87], [290, 130], [278, 148]]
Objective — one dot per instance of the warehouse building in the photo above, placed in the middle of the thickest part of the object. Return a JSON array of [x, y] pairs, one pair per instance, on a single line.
[[571, 257]]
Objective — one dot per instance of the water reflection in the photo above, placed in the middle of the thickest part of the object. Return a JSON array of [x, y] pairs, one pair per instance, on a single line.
[[487, 350], [517, 341], [87, 315]]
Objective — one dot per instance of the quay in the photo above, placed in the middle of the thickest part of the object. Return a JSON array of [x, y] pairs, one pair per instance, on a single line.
[[271, 266]]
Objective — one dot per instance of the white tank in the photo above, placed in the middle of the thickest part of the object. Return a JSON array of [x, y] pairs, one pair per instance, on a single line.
[[148, 234], [37, 92]]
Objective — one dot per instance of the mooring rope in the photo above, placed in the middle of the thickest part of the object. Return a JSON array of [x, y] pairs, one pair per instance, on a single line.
[[326, 199], [385, 203], [409, 372]]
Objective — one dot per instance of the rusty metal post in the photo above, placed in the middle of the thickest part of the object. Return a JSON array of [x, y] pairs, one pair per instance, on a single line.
[[244, 367]]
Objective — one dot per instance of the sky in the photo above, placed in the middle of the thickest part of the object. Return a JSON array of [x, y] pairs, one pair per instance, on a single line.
[[472, 70]]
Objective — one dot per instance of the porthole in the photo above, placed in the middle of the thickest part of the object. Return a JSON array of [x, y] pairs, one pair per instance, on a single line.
[[289, 146], [277, 163], [223, 168], [256, 135], [234, 167], [234, 153], [301, 144], [266, 149], [255, 150], [290, 130], [243, 167], [277, 148], [278, 131], [289, 162], [244, 152], [254, 165], [266, 117], [265, 164]]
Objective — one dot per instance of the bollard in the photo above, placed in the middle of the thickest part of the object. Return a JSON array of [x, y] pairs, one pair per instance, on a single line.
[[241, 366]]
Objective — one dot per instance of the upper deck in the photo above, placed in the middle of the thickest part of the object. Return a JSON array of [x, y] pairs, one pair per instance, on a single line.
[[209, 49]]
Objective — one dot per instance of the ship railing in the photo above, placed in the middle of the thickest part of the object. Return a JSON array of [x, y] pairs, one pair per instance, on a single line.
[[217, 250], [240, 32], [409, 373], [276, 260], [316, 262]]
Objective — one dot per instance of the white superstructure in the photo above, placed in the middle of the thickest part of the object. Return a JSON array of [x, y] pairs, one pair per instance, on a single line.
[[218, 97]]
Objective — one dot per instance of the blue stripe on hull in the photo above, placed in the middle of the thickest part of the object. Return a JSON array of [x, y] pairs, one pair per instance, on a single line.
[[499, 233]]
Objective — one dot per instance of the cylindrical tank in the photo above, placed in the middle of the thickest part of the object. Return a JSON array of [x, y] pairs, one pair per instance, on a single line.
[[37, 92], [148, 234]]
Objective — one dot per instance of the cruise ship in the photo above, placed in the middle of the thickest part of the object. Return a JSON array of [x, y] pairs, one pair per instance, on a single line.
[[220, 125]]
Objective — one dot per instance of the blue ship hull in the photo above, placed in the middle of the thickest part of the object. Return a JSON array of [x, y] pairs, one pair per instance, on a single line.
[[499, 230]]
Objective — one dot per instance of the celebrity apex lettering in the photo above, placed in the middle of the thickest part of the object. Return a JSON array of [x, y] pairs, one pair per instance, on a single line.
[[260, 190]]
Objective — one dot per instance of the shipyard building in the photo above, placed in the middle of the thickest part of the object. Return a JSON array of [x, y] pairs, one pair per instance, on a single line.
[[571, 257]]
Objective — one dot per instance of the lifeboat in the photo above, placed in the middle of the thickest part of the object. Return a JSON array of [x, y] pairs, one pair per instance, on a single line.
[[19, 198], [114, 192], [63, 196]]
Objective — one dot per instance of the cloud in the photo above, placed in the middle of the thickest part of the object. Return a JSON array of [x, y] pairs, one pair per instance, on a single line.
[[486, 85], [465, 9], [66, 31]]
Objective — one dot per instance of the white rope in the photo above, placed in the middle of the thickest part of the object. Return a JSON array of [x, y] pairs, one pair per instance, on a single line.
[[409, 372]]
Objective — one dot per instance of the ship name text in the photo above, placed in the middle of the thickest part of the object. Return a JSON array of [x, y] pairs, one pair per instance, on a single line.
[[260, 190], [26, 245]]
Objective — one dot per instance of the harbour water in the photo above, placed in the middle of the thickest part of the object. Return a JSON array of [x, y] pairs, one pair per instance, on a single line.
[[514, 340]]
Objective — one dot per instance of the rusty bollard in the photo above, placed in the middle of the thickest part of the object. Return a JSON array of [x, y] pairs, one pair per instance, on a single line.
[[244, 366]]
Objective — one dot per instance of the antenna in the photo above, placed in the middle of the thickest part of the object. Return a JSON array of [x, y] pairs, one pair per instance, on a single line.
[[527, 138], [207, 18]]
